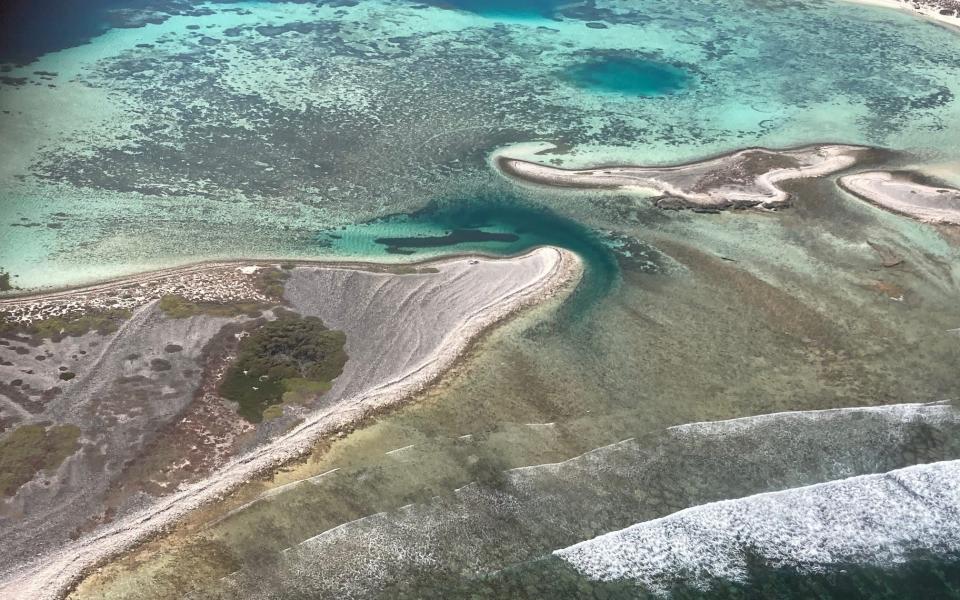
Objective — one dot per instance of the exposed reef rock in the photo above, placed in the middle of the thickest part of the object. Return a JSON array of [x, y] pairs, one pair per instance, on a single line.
[[742, 179], [901, 193]]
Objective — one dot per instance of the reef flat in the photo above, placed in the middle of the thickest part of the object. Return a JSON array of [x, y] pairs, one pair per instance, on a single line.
[[155, 438], [741, 179], [900, 193]]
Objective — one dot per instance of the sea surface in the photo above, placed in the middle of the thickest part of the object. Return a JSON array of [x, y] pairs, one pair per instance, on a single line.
[[161, 132]]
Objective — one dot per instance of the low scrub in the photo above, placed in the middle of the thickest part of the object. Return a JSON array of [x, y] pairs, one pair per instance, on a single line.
[[291, 359], [29, 449], [56, 328], [178, 307]]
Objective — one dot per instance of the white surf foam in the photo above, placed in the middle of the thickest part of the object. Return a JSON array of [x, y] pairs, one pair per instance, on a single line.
[[871, 519]]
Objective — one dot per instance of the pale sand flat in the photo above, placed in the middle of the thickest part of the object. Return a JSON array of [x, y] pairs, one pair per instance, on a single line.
[[929, 204], [741, 179]]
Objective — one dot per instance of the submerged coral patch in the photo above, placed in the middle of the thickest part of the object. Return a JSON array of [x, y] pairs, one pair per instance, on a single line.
[[630, 76]]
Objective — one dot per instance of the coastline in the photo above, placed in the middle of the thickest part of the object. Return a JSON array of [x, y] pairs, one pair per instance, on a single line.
[[931, 13], [202, 265], [742, 178], [901, 196], [53, 576]]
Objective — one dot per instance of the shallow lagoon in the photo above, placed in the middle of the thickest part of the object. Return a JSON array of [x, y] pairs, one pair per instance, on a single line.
[[248, 130]]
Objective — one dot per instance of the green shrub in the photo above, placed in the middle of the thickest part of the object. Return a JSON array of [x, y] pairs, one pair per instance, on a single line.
[[56, 328], [178, 307], [30, 449], [292, 358], [270, 282]]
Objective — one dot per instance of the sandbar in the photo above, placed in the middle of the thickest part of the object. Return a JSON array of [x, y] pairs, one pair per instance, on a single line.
[[900, 193], [746, 178]]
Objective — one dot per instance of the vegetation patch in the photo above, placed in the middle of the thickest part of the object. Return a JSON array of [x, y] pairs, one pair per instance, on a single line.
[[302, 391], [5, 285], [274, 411], [160, 364], [270, 282], [56, 328], [411, 270], [293, 355], [178, 307], [29, 449]]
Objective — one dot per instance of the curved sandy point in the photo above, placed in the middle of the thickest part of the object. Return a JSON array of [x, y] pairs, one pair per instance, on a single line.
[[51, 576], [901, 195]]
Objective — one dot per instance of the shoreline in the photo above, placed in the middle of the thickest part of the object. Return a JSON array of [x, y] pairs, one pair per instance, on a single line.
[[901, 196], [18, 296], [742, 178], [55, 575], [929, 13]]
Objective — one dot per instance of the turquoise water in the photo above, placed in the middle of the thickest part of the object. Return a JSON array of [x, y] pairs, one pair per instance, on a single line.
[[244, 129], [629, 76], [528, 226], [508, 8]]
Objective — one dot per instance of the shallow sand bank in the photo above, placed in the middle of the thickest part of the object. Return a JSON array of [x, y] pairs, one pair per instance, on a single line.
[[744, 178], [900, 194], [443, 309]]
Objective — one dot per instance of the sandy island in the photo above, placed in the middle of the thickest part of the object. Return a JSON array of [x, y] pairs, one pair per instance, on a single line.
[[899, 193], [745, 178], [403, 331]]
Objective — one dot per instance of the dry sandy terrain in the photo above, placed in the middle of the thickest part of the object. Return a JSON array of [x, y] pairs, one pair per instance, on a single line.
[[901, 195], [402, 330], [744, 178]]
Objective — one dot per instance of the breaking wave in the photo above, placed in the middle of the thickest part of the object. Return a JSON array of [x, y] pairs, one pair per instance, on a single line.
[[870, 519]]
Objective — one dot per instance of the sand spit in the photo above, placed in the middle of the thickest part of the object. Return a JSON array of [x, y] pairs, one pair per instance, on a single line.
[[942, 11], [417, 325], [870, 519], [901, 194], [742, 179]]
